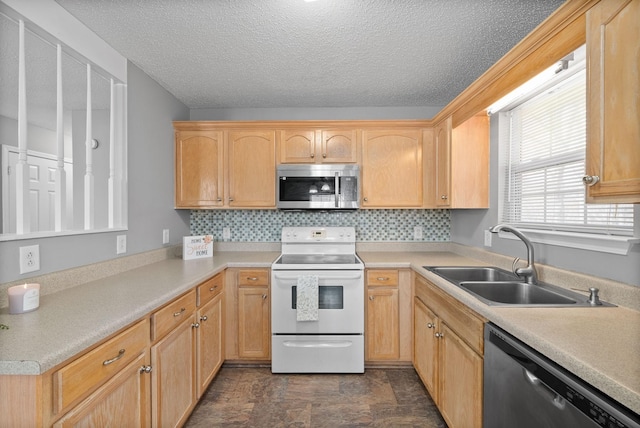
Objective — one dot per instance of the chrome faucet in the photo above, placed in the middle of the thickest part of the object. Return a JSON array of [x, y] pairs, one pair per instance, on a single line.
[[528, 272]]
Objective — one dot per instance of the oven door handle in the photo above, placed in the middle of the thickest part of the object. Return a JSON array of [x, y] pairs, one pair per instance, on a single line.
[[317, 344], [324, 275]]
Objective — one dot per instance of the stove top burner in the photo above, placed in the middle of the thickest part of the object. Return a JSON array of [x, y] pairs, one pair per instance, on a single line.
[[317, 259]]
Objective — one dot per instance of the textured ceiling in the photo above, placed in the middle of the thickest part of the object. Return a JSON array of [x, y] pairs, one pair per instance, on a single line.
[[327, 53]]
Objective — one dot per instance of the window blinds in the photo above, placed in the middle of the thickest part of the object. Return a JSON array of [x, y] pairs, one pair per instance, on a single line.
[[546, 162]]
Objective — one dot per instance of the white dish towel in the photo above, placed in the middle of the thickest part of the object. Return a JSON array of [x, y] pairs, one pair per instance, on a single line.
[[307, 298]]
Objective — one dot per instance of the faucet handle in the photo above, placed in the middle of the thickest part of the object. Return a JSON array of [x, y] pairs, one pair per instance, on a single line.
[[594, 299], [513, 265]]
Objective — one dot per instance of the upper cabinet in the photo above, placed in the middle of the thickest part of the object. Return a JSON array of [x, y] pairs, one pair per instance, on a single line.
[[613, 85], [392, 168], [318, 146], [224, 168], [199, 169], [461, 155]]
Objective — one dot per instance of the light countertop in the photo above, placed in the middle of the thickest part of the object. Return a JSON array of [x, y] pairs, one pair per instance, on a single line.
[[600, 345]]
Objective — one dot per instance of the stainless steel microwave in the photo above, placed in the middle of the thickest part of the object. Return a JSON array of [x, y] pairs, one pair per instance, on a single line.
[[318, 187]]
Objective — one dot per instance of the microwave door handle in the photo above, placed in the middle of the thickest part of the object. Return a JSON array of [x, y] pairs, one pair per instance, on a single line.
[[337, 189]]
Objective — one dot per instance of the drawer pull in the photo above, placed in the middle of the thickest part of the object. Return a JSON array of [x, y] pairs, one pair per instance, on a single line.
[[145, 369], [430, 325], [203, 318], [195, 325], [114, 359], [177, 314], [213, 288], [383, 278], [264, 297], [439, 335], [252, 278]]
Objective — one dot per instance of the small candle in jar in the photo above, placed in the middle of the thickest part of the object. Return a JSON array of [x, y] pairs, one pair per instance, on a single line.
[[24, 298]]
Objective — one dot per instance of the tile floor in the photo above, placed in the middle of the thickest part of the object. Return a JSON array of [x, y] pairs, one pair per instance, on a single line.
[[254, 397]]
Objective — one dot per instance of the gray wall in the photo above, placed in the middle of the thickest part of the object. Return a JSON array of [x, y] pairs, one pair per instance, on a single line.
[[468, 226], [151, 109]]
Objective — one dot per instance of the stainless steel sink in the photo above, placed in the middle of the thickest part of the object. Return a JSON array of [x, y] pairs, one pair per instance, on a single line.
[[515, 293], [498, 287], [457, 274]]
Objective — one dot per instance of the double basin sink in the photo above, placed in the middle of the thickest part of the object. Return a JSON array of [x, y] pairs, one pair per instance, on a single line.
[[499, 287]]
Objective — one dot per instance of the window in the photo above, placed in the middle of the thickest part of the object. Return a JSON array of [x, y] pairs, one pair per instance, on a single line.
[[542, 146]]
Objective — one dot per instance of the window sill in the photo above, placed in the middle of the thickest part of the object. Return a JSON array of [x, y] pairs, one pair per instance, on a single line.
[[584, 241]]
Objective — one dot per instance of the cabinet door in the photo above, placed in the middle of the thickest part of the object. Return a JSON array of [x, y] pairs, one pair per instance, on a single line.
[[613, 93], [443, 163], [173, 389], [210, 338], [392, 169], [470, 163], [199, 169], [460, 391], [338, 146], [297, 146], [121, 402], [252, 169], [383, 330], [425, 354], [254, 323]]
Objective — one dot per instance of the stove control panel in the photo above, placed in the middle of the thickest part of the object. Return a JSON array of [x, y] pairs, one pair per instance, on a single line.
[[318, 234]]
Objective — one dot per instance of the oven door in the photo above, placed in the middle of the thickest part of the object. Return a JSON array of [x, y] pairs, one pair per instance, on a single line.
[[340, 303]]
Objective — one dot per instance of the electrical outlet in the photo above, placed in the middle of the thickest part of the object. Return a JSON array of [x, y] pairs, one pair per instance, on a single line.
[[121, 244], [417, 232], [226, 233], [165, 236], [487, 238], [29, 258]]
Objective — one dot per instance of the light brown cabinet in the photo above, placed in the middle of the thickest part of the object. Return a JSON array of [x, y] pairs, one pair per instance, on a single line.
[[613, 93], [318, 145], [449, 346], [224, 168], [392, 168], [382, 334], [173, 361], [248, 315], [199, 169], [462, 163], [210, 333], [106, 386]]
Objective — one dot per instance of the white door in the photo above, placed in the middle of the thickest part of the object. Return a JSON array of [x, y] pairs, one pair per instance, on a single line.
[[42, 174]]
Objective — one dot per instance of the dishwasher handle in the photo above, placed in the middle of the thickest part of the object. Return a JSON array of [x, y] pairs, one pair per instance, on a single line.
[[555, 398]]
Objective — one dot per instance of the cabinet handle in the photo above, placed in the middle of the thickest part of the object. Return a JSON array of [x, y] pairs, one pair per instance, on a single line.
[[203, 318], [443, 197], [145, 369], [366, 199], [219, 199], [264, 297], [213, 288], [195, 325], [383, 278], [324, 155], [230, 199], [114, 359], [252, 278], [313, 155], [177, 314], [439, 335], [430, 325], [590, 180], [371, 297]]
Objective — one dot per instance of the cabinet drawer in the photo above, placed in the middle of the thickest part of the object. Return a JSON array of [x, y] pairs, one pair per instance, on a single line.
[[253, 277], [466, 323], [210, 288], [82, 376], [382, 277], [173, 314]]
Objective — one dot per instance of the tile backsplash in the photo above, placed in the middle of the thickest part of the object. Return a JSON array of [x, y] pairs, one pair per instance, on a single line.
[[370, 225]]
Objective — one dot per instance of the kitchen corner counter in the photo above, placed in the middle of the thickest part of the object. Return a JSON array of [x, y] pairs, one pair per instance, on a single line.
[[599, 345], [74, 319]]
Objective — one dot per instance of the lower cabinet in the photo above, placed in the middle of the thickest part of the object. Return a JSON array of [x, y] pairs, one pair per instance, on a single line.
[[388, 316], [448, 351], [248, 316], [210, 334]]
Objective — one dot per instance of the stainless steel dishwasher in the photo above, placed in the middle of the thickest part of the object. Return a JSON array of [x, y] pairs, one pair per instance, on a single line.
[[524, 389]]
